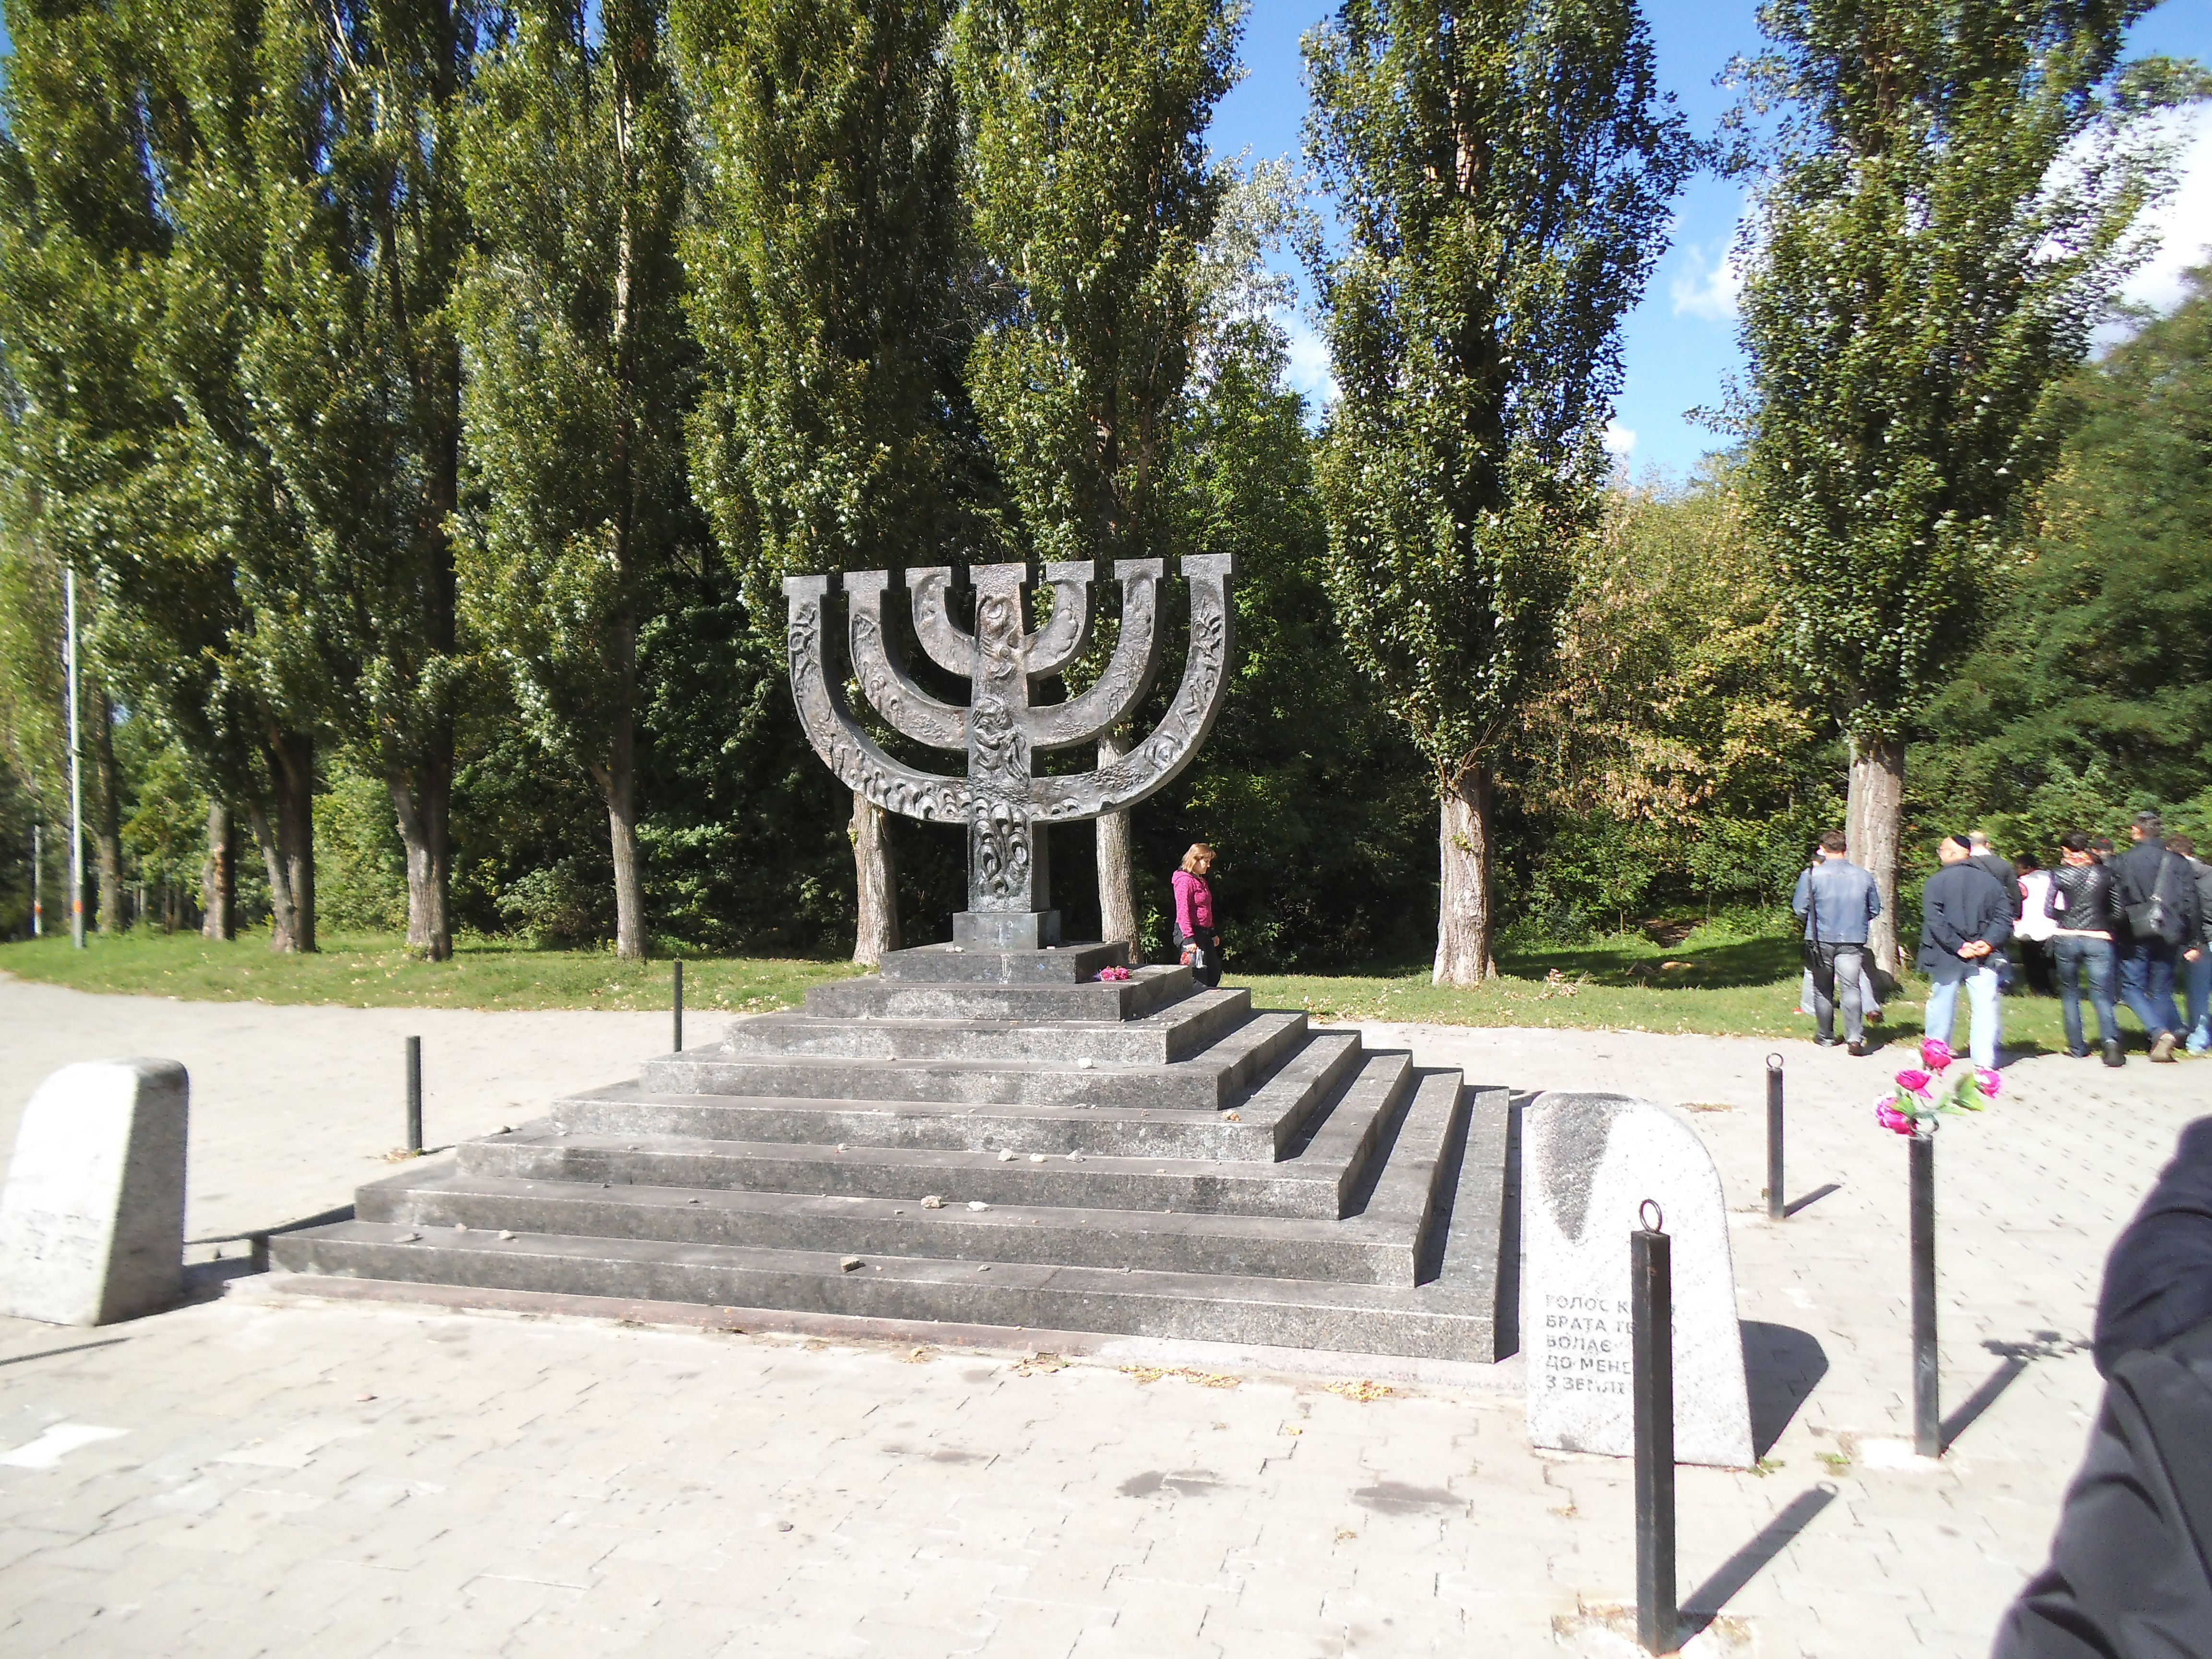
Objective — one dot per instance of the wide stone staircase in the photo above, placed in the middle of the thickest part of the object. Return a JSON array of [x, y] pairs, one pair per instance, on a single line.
[[992, 1137]]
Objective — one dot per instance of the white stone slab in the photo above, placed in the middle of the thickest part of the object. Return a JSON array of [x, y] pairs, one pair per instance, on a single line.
[[1588, 1163], [92, 1219]]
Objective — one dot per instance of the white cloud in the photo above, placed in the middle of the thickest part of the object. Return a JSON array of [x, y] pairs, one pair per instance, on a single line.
[[2182, 223], [1308, 368], [1706, 287], [1620, 441]]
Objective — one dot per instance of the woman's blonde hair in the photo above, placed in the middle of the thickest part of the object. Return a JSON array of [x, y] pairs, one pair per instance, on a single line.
[[1200, 853]]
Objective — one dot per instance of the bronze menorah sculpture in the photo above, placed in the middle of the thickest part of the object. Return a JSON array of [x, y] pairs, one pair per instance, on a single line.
[[1007, 805]]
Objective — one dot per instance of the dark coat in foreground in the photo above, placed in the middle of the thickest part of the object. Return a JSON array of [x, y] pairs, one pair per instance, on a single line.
[[2127, 1576]]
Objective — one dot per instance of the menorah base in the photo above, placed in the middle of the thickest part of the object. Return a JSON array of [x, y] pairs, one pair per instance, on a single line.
[[1006, 930]]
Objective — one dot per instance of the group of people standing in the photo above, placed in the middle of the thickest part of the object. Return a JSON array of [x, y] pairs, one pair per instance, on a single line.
[[2138, 923]]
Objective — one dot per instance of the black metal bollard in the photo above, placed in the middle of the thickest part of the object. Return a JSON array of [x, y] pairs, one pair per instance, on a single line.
[[413, 1094], [1651, 1308], [1775, 1209], [676, 1044], [1927, 1424]]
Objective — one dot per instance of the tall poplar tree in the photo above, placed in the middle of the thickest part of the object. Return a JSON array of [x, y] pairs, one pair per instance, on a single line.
[[1502, 171], [579, 375], [356, 378], [1942, 216], [827, 269], [1092, 197]]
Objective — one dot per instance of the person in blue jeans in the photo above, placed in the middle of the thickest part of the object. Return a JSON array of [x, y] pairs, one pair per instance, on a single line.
[[2199, 1015], [1967, 917], [2147, 879], [2079, 901], [1836, 900]]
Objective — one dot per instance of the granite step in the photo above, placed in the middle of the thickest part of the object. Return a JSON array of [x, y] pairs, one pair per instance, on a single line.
[[1428, 1321], [1318, 1183], [1207, 1080], [976, 965], [874, 997], [1275, 1247], [1158, 1038]]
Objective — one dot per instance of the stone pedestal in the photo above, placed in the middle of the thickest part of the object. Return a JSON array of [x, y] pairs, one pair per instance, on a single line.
[[1589, 1162], [92, 1219], [1006, 930]]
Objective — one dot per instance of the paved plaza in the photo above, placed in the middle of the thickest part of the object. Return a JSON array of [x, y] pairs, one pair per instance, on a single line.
[[258, 1472]]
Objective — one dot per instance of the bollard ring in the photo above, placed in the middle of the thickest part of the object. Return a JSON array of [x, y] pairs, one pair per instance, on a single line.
[[1774, 1063], [1653, 1218]]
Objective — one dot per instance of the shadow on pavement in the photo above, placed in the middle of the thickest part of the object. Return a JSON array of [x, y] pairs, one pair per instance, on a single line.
[[1702, 1604], [2015, 1357], [1781, 1366]]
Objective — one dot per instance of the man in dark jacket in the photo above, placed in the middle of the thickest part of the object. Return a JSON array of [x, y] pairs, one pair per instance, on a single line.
[[2154, 901], [2127, 1577], [1966, 916], [2081, 902], [1837, 899]]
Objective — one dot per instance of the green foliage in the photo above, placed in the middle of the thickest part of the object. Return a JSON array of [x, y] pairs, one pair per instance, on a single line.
[[578, 366], [1943, 212], [1502, 171], [2092, 695], [1092, 197], [826, 260], [361, 867]]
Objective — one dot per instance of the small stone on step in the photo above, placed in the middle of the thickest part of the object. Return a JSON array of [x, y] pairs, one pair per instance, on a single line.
[[983, 1267], [1005, 1157], [977, 1204], [852, 1264], [1083, 1065], [504, 1234], [932, 1202], [1075, 1157], [1036, 1158], [460, 1226]]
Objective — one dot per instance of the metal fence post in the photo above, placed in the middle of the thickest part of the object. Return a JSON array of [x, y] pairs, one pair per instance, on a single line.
[[1775, 1209], [1651, 1305], [677, 1044], [413, 1094], [1927, 1424]]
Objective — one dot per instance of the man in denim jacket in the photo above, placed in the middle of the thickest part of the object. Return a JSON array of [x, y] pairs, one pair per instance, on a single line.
[[1837, 900]]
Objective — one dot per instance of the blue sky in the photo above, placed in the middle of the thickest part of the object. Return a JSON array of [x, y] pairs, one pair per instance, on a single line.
[[1680, 342]]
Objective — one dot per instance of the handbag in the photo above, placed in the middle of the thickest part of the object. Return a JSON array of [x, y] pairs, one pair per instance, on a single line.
[[2154, 917]]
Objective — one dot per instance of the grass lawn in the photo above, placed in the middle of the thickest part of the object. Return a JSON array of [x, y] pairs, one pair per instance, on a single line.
[[1713, 982], [374, 970]]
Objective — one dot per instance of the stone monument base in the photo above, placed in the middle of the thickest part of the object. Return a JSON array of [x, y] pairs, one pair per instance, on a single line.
[[1007, 930], [989, 1137]]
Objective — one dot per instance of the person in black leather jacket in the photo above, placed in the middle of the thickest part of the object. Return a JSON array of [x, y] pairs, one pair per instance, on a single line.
[[2081, 902], [2148, 958]]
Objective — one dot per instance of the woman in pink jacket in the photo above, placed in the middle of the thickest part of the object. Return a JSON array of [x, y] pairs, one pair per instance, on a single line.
[[1195, 937]]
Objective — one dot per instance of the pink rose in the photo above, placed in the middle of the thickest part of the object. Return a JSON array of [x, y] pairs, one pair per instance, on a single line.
[[1935, 1054], [1914, 1083], [1991, 1082], [1892, 1119]]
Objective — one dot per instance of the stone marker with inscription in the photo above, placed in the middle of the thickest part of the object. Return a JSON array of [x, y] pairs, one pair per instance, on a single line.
[[92, 1219], [1588, 1163]]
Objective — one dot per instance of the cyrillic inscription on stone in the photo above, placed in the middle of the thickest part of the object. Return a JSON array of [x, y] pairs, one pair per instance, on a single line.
[[92, 1219], [1588, 1163]]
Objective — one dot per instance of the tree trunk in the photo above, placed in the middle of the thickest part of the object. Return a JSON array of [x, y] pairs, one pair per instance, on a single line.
[[1873, 820], [107, 810], [421, 801], [219, 875], [1464, 920], [288, 847], [875, 869], [1117, 875], [617, 784]]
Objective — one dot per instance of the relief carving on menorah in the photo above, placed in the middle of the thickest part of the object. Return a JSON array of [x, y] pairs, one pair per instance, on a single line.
[[1006, 804]]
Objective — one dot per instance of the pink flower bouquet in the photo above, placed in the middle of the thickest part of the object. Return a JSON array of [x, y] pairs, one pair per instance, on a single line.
[[1112, 973], [1947, 1083]]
